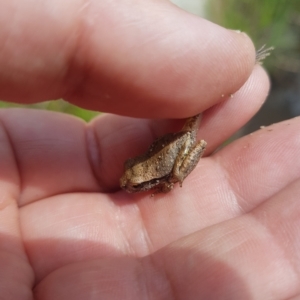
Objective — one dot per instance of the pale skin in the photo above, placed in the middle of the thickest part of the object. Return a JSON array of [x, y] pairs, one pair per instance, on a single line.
[[67, 231]]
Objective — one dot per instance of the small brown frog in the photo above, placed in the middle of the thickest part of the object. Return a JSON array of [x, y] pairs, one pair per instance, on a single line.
[[170, 159]]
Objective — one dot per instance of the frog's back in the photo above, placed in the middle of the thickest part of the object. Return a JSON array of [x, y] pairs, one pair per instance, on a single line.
[[159, 160]]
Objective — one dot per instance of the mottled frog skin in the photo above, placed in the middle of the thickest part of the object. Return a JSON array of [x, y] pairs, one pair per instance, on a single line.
[[170, 159]]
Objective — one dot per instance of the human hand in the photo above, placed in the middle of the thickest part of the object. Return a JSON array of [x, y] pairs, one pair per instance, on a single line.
[[68, 232]]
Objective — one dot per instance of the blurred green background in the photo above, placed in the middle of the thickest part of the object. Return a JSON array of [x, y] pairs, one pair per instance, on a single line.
[[271, 22], [57, 105]]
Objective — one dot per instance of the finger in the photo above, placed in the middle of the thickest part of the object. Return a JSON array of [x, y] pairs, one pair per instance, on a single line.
[[56, 153], [16, 273], [261, 164], [153, 55], [118, 278], [221, 121], [48, 153]]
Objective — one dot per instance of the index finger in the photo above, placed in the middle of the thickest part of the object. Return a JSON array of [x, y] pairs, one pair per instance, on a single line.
[[145, 58]]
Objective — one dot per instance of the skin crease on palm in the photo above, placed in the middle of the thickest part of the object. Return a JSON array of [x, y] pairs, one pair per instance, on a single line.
[[67, 231]]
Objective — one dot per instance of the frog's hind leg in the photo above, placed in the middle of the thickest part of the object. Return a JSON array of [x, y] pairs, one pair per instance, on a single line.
[[190, 161]]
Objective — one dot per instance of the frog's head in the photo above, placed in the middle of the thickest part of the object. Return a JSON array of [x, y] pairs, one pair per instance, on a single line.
[[125, 182], [131, 182]]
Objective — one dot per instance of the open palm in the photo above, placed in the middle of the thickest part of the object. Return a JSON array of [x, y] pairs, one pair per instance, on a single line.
[[231, 230]]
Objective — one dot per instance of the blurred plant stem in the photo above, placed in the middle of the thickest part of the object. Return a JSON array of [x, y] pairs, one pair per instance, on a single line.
[[57, 105]]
